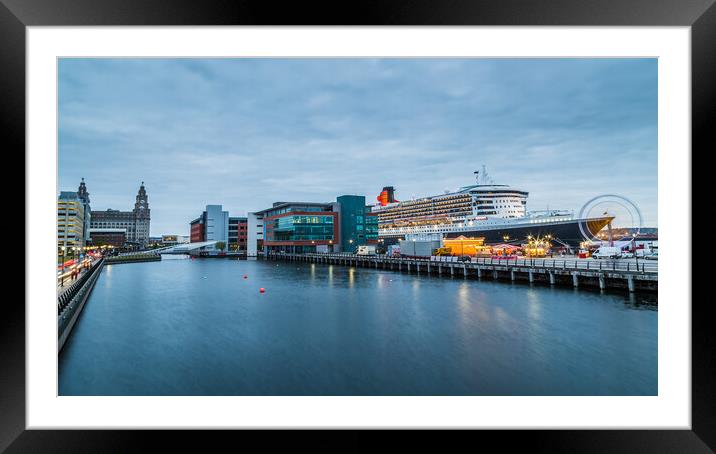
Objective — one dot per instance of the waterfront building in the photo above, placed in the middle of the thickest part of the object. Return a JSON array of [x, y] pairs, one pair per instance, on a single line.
[[237, 233], [83, 195], [108, 237], [255, 234], [70, 221], [154, 241], [301, 227], [196, 230], [172, 240], [135, 222], [358, 225], [211, 225]]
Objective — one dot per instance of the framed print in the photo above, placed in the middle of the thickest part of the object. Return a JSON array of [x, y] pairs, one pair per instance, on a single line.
[[435, 217]]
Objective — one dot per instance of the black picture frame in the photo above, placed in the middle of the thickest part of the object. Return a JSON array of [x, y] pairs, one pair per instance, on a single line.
[[16, 15]]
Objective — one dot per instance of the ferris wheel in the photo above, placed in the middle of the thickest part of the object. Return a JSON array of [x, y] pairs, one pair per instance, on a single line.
[[626, 222]]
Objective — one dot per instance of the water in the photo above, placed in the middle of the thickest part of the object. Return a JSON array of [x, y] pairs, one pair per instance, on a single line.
[[196, 327]]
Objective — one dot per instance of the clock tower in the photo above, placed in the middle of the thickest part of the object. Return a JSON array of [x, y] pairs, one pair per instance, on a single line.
[[141, 216]]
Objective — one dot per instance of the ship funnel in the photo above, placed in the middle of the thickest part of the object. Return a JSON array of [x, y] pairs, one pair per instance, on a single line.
[[387, 196]]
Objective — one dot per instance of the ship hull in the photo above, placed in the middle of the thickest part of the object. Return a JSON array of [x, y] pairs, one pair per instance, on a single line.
[[567, 232]]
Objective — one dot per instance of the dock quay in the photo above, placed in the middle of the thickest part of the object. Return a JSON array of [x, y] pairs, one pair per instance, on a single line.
[[133, 258], [72, 300], [631, 275]]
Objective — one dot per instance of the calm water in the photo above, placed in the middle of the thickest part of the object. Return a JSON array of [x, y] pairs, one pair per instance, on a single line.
[[196, 327]]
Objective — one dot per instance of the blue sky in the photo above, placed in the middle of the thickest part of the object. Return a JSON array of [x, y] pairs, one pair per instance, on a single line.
[[245, 133]]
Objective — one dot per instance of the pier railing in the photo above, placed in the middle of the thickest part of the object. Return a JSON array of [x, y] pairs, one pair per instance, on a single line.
[[626, 274], [628, 265]]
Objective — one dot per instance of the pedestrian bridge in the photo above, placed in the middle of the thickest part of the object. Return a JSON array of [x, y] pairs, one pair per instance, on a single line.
[[185, 248]]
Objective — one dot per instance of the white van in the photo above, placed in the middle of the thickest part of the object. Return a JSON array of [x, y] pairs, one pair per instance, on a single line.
[[366, 250], [607, 252]]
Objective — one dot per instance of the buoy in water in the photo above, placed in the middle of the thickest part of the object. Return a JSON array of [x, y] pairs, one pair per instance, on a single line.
[[262, 290], [245, 276]]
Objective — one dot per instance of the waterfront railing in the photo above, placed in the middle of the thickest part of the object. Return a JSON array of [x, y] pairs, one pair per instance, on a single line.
[[635, 266]]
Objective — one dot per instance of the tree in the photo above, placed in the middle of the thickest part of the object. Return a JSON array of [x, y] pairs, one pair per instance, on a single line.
[[220, 245]]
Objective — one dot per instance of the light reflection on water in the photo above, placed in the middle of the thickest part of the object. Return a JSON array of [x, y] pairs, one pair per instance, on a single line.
[[196, 327]]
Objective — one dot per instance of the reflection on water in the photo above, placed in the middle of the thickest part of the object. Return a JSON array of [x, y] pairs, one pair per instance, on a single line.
[[196, 327]]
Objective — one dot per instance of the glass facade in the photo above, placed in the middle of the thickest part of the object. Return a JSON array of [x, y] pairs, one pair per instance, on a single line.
[[358, 226], [301, 228]]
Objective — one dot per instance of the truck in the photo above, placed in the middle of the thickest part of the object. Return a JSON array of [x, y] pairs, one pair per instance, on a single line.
[[419, 248], [366, 250], [607, 252]]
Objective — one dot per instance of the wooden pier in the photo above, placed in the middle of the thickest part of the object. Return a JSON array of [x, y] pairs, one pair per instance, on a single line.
[[627, 274]]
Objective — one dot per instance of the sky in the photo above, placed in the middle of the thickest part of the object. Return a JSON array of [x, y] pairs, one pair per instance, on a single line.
[[245, 133]]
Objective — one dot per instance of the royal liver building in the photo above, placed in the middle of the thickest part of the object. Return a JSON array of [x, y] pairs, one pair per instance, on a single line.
[[135, 222]]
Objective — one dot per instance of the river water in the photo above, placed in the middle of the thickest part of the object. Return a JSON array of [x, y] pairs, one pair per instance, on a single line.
[[197, 327]]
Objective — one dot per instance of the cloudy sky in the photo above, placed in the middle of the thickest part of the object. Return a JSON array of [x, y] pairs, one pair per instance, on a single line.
[[247, 132]]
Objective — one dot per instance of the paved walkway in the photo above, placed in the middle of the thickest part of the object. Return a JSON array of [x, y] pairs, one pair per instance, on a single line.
[[68, 281]]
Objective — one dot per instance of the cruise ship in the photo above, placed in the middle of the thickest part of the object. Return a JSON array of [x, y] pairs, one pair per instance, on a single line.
[[496, 212]]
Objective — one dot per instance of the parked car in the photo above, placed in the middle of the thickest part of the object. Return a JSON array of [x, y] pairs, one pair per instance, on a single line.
[[627, 255], [653, 256]]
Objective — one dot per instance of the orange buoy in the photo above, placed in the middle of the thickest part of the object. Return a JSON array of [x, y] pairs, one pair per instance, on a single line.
[[262, 290]]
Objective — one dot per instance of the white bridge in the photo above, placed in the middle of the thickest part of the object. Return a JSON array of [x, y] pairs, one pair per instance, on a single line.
[[184, 248]]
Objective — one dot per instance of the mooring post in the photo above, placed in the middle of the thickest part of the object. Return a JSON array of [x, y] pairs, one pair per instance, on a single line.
[[532, 279], [512, 274], [630, 282], [575, 279], [551, 278], [494, 273], [464, 270], [602, 283], [452, 270], [479, 272]]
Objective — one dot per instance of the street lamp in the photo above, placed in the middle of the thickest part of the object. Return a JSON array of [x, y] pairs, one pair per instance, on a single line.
[[63, 258]]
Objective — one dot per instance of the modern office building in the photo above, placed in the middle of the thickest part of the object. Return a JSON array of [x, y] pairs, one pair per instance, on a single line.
[[358, 225], [211, 225], [70, 221], [300, 227], [108, 237], [255, 234], [135, 222], [237, 233], [196, 230]]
